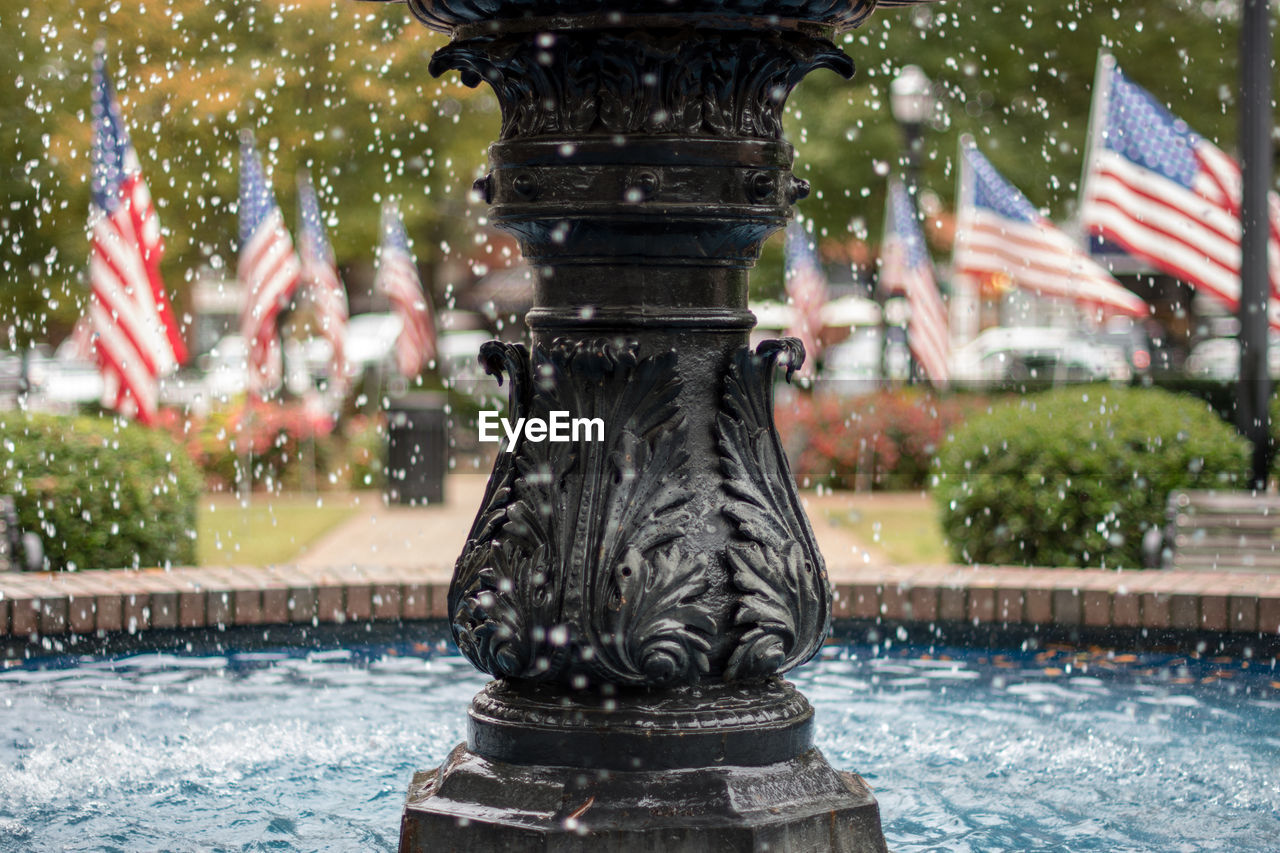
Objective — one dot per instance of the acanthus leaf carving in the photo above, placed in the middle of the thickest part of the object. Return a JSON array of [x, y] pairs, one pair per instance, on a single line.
[[500, 599], [659, 627], [576, 570], [784, 603]]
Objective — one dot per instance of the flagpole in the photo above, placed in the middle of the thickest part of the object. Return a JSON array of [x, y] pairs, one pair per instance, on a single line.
[[1094, 134], [963, 283], [1255, 156], [880, 286]]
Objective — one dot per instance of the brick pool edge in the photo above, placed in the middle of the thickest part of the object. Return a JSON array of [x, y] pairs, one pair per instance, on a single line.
[[1202, 611]]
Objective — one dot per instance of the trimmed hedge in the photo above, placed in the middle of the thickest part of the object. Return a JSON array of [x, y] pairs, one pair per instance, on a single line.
[[1074, 476], [100, 494]]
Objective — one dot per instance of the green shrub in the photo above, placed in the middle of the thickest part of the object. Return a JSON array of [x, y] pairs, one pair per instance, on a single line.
[[1073, 477], [99, 493]]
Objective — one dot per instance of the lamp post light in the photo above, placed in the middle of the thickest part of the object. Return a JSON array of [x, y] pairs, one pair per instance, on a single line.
[[638, 591], [911, 102]]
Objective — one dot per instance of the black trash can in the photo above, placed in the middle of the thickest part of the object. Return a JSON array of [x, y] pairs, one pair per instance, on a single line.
[[417, 449]]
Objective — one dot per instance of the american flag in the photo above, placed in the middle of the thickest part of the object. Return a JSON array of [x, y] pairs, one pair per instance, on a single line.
[[807, 291], [397, 277], [135, 335], [268, 271], [1165, 194], [908, 269], [320, 277], [999, 233]]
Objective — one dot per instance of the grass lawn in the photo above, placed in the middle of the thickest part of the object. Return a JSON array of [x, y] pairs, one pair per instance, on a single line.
[[271, 529], [908, 533]]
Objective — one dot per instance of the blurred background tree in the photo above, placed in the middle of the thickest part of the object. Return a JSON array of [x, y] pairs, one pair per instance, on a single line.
[[341, 88], [338, 87]]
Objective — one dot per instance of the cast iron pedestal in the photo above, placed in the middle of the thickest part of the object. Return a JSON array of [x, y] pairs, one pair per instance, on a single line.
[[637, 593]]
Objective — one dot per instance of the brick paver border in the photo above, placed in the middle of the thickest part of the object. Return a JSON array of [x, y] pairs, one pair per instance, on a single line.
[[127, 603]]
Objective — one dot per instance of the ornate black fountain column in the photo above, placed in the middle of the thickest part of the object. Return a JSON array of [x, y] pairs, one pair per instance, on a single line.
[[637, 590]]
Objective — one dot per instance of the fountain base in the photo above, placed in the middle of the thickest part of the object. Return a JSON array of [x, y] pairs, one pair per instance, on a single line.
[[474, 804], [726, 769]]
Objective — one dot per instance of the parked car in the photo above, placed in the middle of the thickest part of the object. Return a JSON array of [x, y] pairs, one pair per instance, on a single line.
[[857, 364], [11, 381], [1219, 358], [225, 368], [460, 361], [371, 341], [224, 372], [55, 381], [1131, 338], [69, 381], [1019, 353]]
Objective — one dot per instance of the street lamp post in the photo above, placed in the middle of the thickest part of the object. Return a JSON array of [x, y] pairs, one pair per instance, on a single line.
[[911, 102], [1252, 414]]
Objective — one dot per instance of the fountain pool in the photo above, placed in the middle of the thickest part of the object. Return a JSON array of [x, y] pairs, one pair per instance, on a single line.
[[967, 750]]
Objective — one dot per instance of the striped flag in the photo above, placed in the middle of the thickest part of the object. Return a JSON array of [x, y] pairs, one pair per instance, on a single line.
[[999, 234], [1165, 194], [135, 335], [397, 277], [806, 286], [320, 277], [268, 270], [908, 269]]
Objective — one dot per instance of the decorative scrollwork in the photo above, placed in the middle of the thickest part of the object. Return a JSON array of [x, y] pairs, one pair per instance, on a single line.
[[724, 84], [445, 15], [574, 568], [785, 605]]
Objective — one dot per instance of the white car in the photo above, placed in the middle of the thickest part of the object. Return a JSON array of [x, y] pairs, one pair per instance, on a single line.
[[225, 369], [1219, 358], [1038, 353], [854, 365], [371, 341], [225, 372], [460, 360]]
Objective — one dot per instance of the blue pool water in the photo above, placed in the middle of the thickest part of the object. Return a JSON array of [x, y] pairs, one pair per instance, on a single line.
[[967, 751]]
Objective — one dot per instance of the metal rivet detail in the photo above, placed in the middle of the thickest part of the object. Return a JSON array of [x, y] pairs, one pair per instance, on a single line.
[[642, 187], [526, 186]]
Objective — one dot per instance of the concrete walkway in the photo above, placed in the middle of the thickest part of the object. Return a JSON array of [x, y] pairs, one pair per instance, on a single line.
[[429, 538]]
